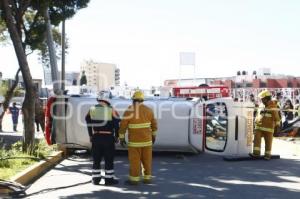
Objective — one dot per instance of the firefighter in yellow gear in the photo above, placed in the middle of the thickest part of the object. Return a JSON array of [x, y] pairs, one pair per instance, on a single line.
[[266, 122], [142, 126], [278, 100]]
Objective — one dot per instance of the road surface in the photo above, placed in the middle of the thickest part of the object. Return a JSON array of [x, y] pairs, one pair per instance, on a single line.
[[181, 176]]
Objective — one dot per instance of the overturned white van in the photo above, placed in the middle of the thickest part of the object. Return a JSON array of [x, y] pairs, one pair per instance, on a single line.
[[218, 126]]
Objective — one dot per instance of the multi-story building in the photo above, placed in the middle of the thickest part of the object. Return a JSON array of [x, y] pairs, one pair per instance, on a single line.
[[101, 75], [117, 77]]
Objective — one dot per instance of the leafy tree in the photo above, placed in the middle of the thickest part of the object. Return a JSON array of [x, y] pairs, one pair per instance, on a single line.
[[43, 49], [5, 86], [83, 80], [24, 21]]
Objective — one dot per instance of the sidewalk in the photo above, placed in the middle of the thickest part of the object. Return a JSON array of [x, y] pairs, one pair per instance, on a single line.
[[7, 125], [8, 136]]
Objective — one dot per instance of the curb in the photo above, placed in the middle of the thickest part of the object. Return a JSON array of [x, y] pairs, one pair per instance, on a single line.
[[33, 172]]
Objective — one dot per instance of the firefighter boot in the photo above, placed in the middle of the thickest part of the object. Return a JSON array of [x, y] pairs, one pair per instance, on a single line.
[[254, 156], [96, 181], [111, 181], [267, 158]]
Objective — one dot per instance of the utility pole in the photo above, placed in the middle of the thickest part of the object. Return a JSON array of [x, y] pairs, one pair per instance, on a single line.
[[63, 46]]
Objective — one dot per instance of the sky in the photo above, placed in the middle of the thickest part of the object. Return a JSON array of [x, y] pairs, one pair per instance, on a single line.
[[144, 38]]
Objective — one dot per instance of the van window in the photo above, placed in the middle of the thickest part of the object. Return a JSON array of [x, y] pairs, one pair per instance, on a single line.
[[216, 126]]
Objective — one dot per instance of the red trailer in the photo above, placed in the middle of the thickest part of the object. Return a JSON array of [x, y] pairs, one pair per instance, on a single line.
[[210, 92]]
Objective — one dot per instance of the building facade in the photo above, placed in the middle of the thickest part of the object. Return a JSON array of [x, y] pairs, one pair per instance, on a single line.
[[103, 76], [257, 79], [245, 83]]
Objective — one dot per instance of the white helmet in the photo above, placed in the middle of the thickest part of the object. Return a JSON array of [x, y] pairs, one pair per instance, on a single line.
[[103, 96]]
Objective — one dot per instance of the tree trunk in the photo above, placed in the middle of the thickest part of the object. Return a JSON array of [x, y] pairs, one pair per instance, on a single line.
[[28, 104], [9, 94], [52, 53]]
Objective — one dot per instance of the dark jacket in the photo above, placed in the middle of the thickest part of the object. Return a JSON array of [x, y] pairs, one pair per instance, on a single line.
[[102, 118]]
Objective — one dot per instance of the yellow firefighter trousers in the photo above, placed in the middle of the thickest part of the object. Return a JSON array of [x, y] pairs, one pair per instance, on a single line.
[[268, 136], [136, 156]]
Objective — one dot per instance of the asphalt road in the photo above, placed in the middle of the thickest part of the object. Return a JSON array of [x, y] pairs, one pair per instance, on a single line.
[[175, 176], [180, 176]]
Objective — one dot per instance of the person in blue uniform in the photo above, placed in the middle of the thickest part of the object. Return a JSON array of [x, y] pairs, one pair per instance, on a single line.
[[14, 110]]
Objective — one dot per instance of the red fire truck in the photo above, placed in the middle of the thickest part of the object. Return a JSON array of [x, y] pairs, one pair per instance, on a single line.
[[210, 92]]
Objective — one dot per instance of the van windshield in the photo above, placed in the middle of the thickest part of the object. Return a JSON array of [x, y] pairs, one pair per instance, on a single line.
[[216, 126]]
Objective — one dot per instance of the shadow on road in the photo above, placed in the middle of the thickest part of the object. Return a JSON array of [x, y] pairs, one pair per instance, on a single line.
[[192, 176]]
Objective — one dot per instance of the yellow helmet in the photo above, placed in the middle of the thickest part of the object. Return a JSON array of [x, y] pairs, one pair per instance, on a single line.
[[138, 95], [264, 94]]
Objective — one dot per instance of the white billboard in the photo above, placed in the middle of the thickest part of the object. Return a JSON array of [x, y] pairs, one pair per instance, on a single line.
[[187, 58]]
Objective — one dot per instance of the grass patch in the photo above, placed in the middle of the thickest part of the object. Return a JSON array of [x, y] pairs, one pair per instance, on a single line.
[[14, 160]]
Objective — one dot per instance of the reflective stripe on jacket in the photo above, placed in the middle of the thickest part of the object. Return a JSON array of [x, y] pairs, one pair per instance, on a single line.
[[267, 117], [141, 125], [102, 118]]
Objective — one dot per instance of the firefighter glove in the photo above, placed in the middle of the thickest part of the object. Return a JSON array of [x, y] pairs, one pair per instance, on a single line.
[[153, 139], [277, 129], [123, 142]]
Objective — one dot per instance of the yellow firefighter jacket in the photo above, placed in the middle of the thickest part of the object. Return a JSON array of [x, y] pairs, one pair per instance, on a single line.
[[141, 125], [268, 117]]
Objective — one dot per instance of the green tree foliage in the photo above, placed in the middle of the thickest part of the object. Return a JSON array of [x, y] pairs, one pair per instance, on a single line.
[[3, 87], [3, 33], [34, 25], [83, 80], [43, 48], [24, 20]]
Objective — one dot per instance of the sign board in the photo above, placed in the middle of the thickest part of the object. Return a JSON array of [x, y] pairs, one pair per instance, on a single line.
[[209, 92], [187, 58]]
